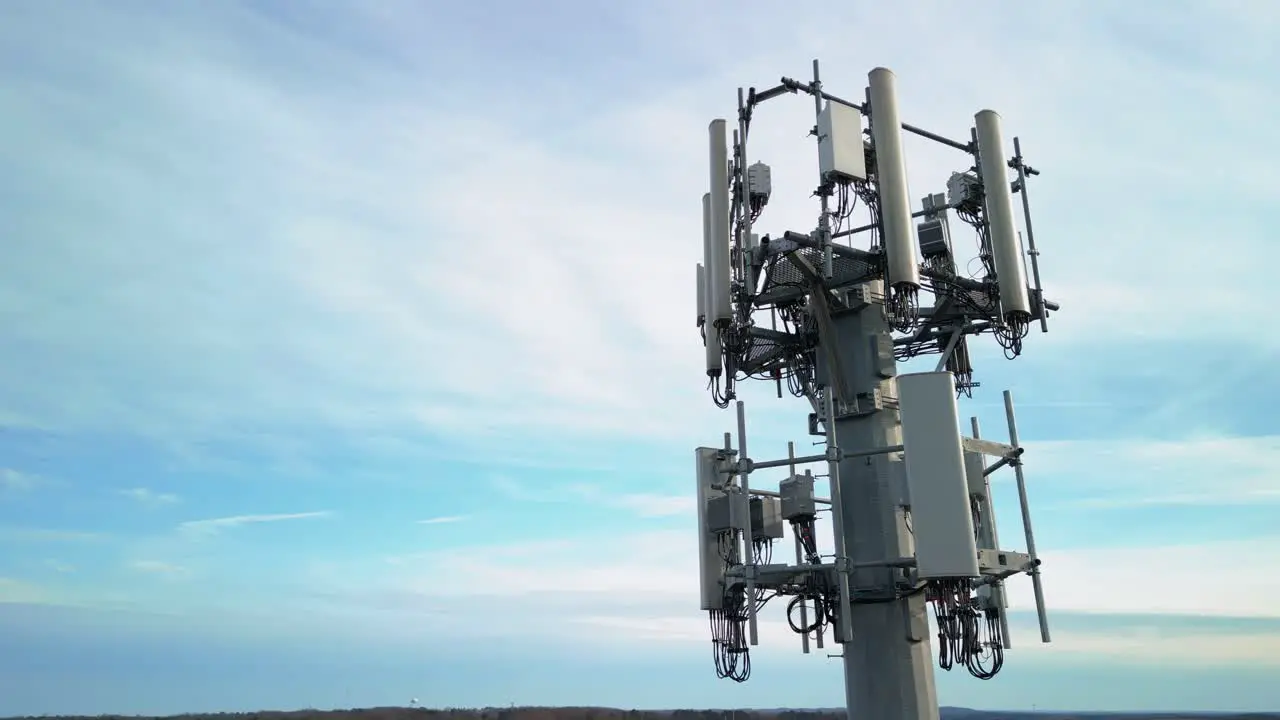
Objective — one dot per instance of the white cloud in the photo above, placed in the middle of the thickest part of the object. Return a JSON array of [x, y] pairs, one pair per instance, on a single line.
[[59, 566], [1233, 579], [650, 505], [644, 505], [214, 525], [1150, 645], [157, 567], [1207, 472], [29, 534], [641, 588], [150, 497], [13, 590], [375, 257], [444, 520], [16, 481]]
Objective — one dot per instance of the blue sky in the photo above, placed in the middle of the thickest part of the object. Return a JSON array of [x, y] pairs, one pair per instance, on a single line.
[[347, 353]]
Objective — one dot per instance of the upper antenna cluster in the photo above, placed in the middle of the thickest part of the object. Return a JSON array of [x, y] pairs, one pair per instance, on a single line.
[[744, 274], [910, 501]]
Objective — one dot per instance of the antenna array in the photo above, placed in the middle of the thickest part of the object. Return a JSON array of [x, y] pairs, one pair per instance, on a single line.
[[910, 500]]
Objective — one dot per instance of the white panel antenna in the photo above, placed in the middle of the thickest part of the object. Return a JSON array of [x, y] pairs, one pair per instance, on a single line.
[[710, 560], [842, 157], [1006, 250], [718, 262], [941, 516], [714, 355]]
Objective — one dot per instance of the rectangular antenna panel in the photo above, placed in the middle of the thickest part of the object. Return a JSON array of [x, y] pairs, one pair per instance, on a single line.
[[711, 567], [766, 518], [936, 479], [841, 155], [933, 239], [974, 467]]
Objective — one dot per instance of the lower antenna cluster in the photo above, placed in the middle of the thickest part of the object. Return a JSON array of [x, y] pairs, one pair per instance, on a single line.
[[957, 565]]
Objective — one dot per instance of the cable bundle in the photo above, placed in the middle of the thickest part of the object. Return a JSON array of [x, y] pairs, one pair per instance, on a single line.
[[966, 634], [729, 638], [816, 589]]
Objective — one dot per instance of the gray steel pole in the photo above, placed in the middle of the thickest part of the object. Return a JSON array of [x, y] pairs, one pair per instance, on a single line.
[[888, 665]]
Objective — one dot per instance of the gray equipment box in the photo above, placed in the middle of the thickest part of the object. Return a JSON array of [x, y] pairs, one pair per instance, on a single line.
[[723, 514], [766, 518], [797, 498]]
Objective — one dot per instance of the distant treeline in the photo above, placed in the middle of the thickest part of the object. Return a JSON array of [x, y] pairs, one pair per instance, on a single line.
[[597, 713]]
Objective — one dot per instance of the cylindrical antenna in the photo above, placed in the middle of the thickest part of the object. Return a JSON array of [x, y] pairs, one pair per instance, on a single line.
[[1001, 597], [718, 270], [747, 540], [713, 350], [708, 259], [1005, 249], [744, 196], [1026, 519], [702, 295], [844, 633], [891, 179]]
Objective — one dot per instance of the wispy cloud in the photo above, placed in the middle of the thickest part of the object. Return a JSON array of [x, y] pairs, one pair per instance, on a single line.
[[13, 590], [25, 534], [158, 567], [149, 497], [17, 481], [642, 504], [1207, 471], [578, 586], [445, 520], [215, 525], [358, 341], [647, 505], [59, 566]]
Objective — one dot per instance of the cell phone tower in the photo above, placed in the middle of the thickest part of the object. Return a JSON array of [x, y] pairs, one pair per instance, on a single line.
[[910, 502]]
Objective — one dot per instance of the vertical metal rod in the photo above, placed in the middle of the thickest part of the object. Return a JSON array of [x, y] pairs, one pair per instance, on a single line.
[[1026, 518], [824, 219], [843, 633], [1031, 236], [817, 634], [804, 611], [746, 527], [995, 539], [744, 198]]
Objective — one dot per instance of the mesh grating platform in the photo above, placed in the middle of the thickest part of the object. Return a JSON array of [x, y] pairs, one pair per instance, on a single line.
[[784, 280]]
